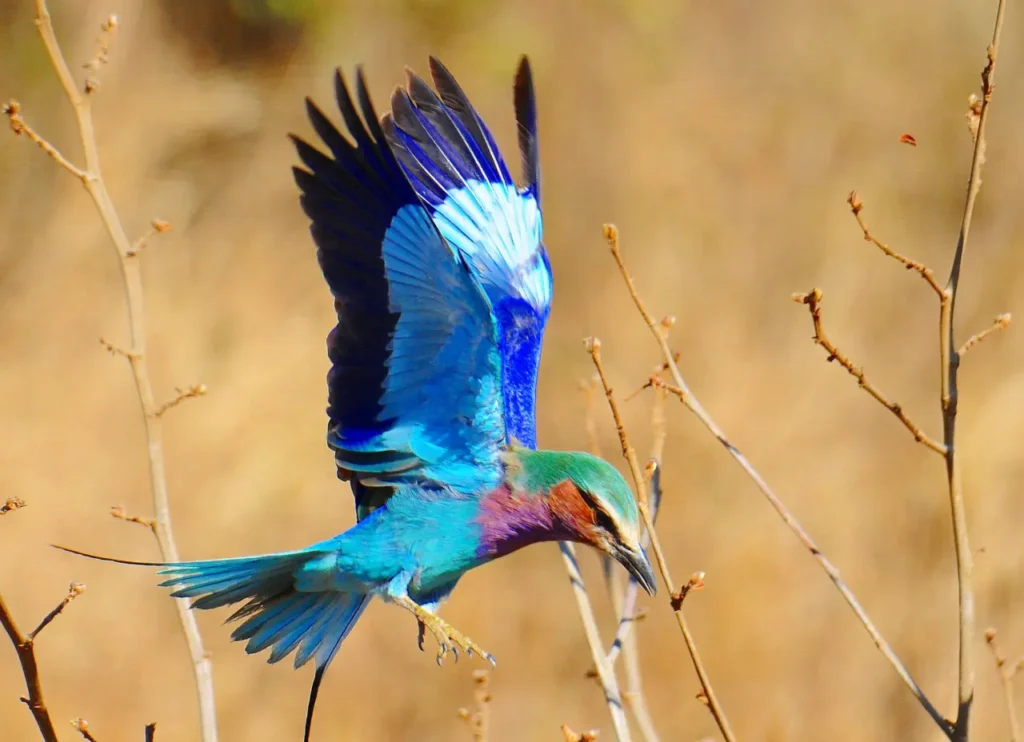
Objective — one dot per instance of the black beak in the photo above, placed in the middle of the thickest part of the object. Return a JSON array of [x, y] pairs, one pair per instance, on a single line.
[[639, 566]]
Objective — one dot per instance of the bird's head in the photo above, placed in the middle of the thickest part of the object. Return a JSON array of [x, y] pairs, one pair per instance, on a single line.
[[592, 502]]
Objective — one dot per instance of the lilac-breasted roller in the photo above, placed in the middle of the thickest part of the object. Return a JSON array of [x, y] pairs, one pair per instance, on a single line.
[[442, 288]]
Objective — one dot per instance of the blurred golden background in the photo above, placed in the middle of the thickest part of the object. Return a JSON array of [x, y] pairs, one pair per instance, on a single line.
[[722, 138]]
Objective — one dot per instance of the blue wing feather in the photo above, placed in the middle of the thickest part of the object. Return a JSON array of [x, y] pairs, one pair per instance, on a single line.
[[454, 166], [415, 381]]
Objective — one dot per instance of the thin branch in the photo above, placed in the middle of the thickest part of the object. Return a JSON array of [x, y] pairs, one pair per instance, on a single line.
[[856, 206], [100, 58], [118, 511], [12, 109], [190, 392], [150, 732], [949, 360], [25, 647], [74, 590], [659, 369], [624, 597], [643, 504], [604, 670], [813, 302], [157, 226], [999, 323], [1007, 671], [682, 391], [91, 177], [82, 727], [479, 718]]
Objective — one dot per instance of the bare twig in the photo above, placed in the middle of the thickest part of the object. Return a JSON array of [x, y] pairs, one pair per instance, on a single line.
[[150, 732], [12, 109], [604, 670], [118, 511], [157, 226], [25, 647], [856, 206], [82, 727], [813, 301], [682, 391], [659, 369], [1007, 672], [696, 582], [643, 504], [11, 503], [999, 323], [74, 590], [190, 392], [623, 597], [479, 718], [100, 57], [91, 177], [949, 360]]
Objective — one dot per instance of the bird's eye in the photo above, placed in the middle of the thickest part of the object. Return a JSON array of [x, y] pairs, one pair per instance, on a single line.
[[601, 517]]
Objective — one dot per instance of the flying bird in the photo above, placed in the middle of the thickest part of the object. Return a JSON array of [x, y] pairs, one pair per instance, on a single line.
[[442, 287]]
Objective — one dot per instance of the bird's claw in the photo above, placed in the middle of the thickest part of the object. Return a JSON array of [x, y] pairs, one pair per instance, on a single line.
[[450, 639]]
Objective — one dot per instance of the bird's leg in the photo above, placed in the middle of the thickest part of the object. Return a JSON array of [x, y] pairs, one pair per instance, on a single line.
[[447, 636]]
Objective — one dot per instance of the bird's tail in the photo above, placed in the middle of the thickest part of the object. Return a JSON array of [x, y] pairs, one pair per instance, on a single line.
[[276, 615]]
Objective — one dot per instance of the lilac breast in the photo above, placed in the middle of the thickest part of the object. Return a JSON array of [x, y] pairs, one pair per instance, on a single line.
[[510, 521]]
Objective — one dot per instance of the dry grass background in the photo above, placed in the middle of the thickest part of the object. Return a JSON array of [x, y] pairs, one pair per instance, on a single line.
[[722, 138]]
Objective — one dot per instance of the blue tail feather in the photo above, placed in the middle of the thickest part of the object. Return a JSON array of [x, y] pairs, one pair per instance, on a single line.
[[277, 616]]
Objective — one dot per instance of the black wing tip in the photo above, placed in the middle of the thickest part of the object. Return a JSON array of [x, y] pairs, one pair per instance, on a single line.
[[524, 74]]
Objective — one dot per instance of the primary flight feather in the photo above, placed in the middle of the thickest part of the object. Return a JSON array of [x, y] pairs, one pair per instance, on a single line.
[[442, 287]]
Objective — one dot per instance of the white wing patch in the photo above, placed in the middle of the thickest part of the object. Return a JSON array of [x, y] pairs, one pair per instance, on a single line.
[[498, 229]]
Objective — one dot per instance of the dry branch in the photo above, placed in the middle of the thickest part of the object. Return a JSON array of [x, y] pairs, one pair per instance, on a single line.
[[813, 301], [82, 727], [682, 391], [643, 504], [604, 670], [25, 647], [91, 178], [999, 323], [950, 364], [480, 717], [1007, 672], [857, 206]]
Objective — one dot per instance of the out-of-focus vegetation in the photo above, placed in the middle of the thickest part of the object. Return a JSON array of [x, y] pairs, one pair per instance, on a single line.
[[723, 139]]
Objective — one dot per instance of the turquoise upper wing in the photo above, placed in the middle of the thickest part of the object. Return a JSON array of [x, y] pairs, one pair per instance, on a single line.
[[454, 165], [415, 382]]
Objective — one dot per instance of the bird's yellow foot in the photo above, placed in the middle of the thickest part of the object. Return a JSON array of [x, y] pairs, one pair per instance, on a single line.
[[446, 635]]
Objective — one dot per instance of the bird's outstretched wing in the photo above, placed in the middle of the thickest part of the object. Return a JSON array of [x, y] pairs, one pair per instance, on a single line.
[[455, 167], [415, 382]]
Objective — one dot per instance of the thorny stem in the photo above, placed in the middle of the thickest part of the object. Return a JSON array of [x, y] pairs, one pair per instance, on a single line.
[[813, 301], [950, 364], [130, 271], [682, 391], [639, 483]]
